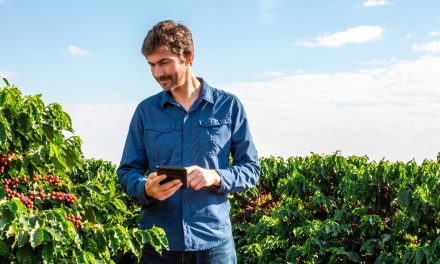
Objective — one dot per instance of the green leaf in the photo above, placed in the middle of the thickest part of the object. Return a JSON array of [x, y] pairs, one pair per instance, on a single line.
[[419, 255], [141, 237], [88, 257], [12, 231], [48, 132], [369, 245], [113, 240], [6, 217], [57, 214], [36, 237], [4, 248], [57, 235], [22, 238], [46, 235], [55, 154], [47, 253], [15, 206], [24, 255], [119, 205], [100, 239], [4, 133], [71, 230], [53, 150], [137, 246], [335, 252], [6, 81], [26, 222], [385, 238], [24, 123], [157, 238], [90, 213], [352, 256]]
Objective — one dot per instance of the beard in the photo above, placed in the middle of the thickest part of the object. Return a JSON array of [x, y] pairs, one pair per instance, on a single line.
[[168, 83]]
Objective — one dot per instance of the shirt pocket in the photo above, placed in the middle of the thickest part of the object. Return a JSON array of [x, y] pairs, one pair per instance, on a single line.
[[215, 135], [160, 142]]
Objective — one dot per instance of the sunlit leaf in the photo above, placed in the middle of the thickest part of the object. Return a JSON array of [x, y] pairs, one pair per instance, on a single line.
[[36, 237]]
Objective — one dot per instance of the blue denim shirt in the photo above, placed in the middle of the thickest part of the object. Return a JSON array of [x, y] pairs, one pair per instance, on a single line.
[[163, 133]]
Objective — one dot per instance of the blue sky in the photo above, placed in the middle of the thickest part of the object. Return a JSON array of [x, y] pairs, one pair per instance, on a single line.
[[360, 76]]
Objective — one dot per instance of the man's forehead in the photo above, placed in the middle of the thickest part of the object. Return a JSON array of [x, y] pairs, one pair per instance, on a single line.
[[160, 53]]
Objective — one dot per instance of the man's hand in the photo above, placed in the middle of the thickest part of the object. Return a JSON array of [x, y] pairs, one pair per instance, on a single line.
[[200, 177], [160, 191]]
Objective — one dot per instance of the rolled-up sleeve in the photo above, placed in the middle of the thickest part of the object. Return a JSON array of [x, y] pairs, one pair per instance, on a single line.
[[244, 172], [134, 162]]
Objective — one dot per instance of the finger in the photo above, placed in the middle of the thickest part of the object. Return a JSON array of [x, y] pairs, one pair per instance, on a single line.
[[157, 179], [152, 175], [200, 184], [197, 181], [168, 185], [194, 179], [195, 173], [164, 195], [191, 178], [191, 169]]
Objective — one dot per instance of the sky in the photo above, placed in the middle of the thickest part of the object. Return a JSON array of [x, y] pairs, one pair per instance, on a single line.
[[357, 76]]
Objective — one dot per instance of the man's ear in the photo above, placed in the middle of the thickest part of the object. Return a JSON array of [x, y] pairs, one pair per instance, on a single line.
[[189, 58]]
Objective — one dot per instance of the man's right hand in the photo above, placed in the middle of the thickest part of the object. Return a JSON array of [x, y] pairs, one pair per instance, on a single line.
[[158, 191]]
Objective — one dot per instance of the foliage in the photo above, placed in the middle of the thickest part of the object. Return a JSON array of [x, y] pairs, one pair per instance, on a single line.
[[335, 209], [58, 207], [55, 205]]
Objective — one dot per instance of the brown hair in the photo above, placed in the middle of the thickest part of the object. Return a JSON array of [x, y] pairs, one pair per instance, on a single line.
[[175, 36]]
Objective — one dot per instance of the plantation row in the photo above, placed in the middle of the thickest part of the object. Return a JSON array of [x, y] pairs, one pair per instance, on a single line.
[[58, 207], [335, 209]]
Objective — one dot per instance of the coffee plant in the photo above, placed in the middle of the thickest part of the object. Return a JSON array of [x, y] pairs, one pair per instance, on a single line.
[[335, 209], [55, 205], [58, 207]]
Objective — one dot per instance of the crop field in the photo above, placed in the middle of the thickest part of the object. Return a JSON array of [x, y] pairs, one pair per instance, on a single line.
[[58, 207]]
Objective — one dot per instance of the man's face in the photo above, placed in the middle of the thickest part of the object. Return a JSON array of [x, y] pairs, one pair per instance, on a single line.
[[167, 68]]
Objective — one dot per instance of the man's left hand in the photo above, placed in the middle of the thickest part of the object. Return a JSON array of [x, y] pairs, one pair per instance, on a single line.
[[199, 177]]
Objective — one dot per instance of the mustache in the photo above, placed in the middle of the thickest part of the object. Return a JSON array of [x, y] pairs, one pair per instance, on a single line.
[[164, 78]]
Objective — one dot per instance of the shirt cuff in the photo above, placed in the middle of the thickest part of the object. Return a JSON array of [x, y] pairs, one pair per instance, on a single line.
[[227, 180], [143, 198]]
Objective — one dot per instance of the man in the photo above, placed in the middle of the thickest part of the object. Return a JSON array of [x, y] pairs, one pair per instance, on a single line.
[[193, 125]]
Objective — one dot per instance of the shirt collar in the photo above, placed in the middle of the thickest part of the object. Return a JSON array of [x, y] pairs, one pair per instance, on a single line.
[[205, 95]]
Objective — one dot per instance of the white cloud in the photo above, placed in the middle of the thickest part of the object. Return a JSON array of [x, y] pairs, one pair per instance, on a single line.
[[371, 3], [268, 10], [7, 74], [102, 128], [355, 35], [433, 47], [434, 34], [2, 2], [76, 51], [271, 74], [380, 61], [390, 111]]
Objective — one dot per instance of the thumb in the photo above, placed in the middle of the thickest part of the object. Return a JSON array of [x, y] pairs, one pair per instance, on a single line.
[[190, 169]]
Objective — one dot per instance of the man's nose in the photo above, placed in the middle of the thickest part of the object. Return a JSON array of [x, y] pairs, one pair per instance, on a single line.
[[157, 71]]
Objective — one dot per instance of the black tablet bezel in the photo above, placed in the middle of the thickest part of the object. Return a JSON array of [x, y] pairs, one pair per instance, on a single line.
[[172, 173]]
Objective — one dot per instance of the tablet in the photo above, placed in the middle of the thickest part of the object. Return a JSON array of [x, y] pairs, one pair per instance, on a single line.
[[172, 173]]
